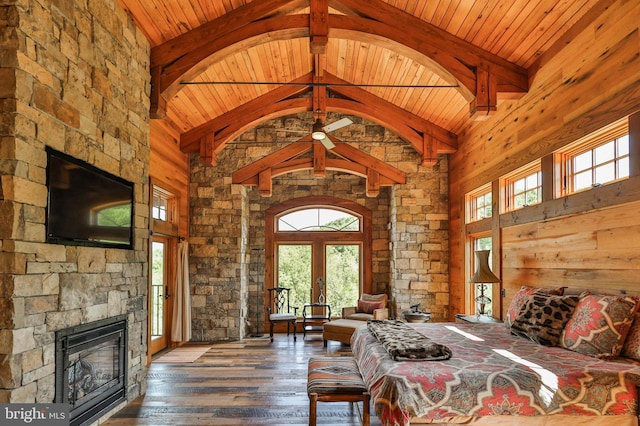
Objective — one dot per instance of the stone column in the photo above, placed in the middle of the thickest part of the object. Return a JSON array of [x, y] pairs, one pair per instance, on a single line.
[[419, 239]]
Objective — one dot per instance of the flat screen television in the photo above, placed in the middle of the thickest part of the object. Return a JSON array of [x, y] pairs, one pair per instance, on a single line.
[[87, 206]]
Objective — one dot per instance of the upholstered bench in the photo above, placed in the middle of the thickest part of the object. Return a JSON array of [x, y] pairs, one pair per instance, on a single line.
[[336, 379], [340, 330]]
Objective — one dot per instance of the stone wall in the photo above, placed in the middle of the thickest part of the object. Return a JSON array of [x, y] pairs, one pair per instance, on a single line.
[[420, 239], [223, 274], [74, 75]]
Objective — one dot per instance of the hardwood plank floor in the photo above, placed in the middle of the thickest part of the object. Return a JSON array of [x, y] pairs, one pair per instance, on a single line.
[[252, 382]]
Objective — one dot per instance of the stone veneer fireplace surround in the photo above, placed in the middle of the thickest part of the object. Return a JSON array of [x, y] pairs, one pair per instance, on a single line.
[[91, 368]]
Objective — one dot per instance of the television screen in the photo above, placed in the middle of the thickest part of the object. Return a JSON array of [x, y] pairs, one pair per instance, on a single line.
[[86, 205]]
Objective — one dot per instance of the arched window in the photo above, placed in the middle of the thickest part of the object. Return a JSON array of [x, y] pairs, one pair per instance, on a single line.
[[320, 247]]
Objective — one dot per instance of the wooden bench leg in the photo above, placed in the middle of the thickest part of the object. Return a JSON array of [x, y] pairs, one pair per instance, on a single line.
[[365, 410], [313, 402]]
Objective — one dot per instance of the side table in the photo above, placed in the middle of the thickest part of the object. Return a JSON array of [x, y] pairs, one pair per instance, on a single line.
[[313, 322], [475, 319]]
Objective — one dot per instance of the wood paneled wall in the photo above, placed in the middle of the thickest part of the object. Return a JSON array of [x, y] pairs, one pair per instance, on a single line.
[[597, 250], [590, 81], [169, 168]]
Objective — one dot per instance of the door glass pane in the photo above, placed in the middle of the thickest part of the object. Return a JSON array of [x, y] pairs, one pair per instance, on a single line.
[[342, 264], [294, 272], [157, 289]]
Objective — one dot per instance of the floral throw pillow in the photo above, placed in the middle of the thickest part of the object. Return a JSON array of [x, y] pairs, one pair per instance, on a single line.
[[631, 348], [599, 325], [520, 298]]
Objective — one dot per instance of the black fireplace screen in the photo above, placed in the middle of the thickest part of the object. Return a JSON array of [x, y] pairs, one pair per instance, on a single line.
[[91, 368]]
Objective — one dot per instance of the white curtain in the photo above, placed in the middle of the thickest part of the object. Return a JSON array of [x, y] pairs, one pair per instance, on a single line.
[[181, 323]]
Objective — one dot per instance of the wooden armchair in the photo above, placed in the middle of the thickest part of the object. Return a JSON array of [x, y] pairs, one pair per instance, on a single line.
[[370, 306], [281, 311]]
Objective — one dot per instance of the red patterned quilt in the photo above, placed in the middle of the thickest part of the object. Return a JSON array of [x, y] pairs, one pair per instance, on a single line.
[[490, 373]]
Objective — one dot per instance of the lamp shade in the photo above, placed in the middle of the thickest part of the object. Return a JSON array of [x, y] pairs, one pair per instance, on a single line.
[[483, 272]]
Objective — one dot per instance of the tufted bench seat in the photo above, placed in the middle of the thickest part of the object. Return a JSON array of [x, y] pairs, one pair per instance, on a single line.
[[340, 330], [336, 379]]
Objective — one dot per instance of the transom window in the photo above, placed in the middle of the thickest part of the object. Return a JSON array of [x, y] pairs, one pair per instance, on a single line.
[[318, 219], [599, 159], [523, 187], [163, 205], [479, 204]]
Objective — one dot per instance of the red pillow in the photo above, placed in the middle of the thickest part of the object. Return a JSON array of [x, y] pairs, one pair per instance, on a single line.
[[599, 325], [367, 307]]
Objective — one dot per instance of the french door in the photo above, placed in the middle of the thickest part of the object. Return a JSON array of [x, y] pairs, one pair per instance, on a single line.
[[159, 294], [320, 271], [319, 245]]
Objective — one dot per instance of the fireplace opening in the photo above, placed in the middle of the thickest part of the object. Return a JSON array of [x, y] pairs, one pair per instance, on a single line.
[[91, 368]]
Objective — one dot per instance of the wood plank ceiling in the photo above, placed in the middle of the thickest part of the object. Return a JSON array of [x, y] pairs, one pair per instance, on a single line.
[[423, 69]]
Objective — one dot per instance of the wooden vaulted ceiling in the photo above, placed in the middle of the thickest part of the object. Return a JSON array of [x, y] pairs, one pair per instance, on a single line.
[[422, 69]]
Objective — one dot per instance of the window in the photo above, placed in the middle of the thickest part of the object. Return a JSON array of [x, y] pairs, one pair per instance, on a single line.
[[163, 205], [320, 247], [481, 292], [479, 204], [522, 188], [318, 219], [596, 160]]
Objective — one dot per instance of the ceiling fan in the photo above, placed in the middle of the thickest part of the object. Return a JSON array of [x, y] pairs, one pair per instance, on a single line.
[[319, 132]]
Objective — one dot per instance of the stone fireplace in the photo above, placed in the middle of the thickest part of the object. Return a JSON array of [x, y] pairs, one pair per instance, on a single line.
[[91, 368]]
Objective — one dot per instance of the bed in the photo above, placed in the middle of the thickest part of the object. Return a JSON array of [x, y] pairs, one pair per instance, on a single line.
[[493, 376]]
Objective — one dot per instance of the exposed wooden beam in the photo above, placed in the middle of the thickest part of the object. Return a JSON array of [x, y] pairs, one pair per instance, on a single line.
[[373, 183], [429, 40], [319, 160], [391, 112], [286, 153], [288, 160], [486, 101], [454, 59], [207, 156], [347, 151], [187, 64], [265, 184], [190, 139], [318, 26], [353, 100]]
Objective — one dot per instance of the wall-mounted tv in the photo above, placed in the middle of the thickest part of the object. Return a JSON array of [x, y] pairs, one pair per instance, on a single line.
[[87, 206]]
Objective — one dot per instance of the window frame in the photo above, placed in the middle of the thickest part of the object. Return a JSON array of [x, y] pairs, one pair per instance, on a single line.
[[171, 204], [471, 203], [507, 183], [564, 159]]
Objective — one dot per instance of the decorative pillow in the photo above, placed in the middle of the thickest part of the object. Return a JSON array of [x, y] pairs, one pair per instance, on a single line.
[[521, 297], [631, 348], [382, 297], [367, 307], [543, 317], [599, 325]]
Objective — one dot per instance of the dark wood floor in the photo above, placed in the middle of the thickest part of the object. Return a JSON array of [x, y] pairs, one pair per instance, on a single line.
[[253, 382]]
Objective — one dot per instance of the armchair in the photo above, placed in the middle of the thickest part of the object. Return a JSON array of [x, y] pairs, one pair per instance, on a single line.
[[370, 306], [280, 310]]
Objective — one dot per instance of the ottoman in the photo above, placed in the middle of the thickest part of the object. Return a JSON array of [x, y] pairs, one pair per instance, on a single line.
[[340, 330]]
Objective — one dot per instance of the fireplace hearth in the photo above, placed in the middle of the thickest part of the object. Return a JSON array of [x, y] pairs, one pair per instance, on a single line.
[[91, 368]]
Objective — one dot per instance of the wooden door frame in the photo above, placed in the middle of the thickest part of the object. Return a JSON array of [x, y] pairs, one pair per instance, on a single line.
[[170, 274], [169, 231], [271, 238]]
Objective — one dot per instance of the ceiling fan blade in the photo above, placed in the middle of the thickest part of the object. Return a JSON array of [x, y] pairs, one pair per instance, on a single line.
[[343, 122], [328, 144]]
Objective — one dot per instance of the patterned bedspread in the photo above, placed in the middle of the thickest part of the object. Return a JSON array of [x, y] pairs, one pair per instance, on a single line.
[[492, 373]]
